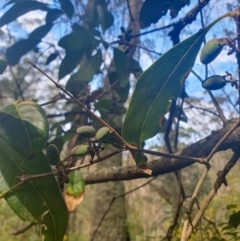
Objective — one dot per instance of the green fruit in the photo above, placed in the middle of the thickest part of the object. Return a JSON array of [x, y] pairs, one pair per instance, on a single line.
[[211, 50], [102, 133], [80, 150], [86, 131], [214, 82], [52, 154]]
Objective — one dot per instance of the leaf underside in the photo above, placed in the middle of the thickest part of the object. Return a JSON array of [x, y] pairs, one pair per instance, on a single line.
[[160, 83]]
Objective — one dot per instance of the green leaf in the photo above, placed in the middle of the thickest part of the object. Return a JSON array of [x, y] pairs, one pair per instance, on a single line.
[[17, 50], [234, 219], [70, 62], [51, 58], [76, 184], [40, 32], [121, 62], [124, 65], [53, 14], [16, 1], [153, 10], [23, 134], [106, 19], [3, 65], [67, 7], [89, 68], [161, 82], [19, 9], [76, 40]]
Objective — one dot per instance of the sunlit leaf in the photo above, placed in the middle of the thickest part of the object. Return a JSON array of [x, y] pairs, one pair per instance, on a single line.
[[23, 134], [53, 14], [19, 9], [160, 83], [153, 10], [3, 65], [106, 19], [74, 190]]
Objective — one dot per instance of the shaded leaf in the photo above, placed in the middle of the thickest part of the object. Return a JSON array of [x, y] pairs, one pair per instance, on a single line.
[[67, 7], [124, 65], [19, 9], [53, 14], [37, 200], [161, 82], [89, 68], [51, 58], [20, 48], [16, 1], [3, 65], [106, 19], [76, 40], [153, 10], [121, 62], [40, 32], [234, 219], [70, 62]]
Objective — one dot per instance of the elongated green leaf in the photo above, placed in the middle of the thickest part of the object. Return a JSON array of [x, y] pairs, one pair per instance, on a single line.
[[53, 14], [40, 32], [68, 7], [23, 134], [153, 10], [89, 68], [106, 19], [124, 65], [3, 65], [70, 62], [76, 40], [51, 58], [19, 9], [16, 1], [161, 82], [17, 50]]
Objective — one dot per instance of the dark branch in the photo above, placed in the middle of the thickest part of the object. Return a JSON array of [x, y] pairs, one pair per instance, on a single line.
[[200, 149]]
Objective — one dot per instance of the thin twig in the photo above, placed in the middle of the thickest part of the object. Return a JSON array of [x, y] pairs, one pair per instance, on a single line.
[[80, 104], [20, 231], [68, 170], [113, 200], [202, 178], [219, 181], [158, 153], [17, 83]]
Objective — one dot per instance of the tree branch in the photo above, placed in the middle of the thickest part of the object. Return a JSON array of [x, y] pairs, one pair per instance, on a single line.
[[200, 149]]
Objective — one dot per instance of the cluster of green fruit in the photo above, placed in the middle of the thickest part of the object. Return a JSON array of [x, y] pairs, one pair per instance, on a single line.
[[209, 52], [89, 132]]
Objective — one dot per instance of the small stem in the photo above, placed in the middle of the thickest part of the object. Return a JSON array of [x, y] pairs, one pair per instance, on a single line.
[[80, 104]]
